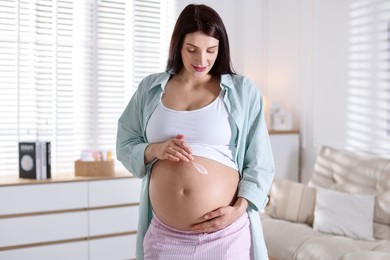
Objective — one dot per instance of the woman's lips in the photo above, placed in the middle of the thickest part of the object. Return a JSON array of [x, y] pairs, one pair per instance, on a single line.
[[199, 69]]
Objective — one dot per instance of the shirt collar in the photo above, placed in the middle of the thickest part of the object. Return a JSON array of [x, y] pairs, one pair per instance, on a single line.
[[161, 80], [227, 81]]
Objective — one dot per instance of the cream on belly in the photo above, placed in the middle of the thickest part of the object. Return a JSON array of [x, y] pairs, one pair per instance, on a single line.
[[181, 195]]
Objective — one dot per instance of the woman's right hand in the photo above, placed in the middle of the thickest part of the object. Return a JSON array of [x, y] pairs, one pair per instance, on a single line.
[[174, 149]]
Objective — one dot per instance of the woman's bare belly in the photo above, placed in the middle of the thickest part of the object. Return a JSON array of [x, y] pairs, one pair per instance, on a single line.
[[181, 195]]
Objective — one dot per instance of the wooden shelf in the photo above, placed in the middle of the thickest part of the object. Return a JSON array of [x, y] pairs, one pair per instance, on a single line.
[[283, 132], [13, 180]]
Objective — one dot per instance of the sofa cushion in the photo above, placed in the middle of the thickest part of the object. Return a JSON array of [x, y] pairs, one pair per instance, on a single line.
[[291, 201], [381, 231], [355, 173], [289, 240], [283, 238], [364, 255], [344, 214], [322, 246]]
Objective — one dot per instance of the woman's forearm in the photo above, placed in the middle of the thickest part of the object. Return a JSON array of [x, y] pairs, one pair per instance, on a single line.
[[150, 153], [241, 204]]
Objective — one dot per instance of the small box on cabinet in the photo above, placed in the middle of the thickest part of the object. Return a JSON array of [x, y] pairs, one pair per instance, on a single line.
[[95, 168]]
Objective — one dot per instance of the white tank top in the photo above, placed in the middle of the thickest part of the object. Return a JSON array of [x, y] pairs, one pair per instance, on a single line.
[[210, 131]]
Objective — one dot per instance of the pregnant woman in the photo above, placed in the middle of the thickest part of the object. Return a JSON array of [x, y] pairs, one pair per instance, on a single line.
[[197, 137]]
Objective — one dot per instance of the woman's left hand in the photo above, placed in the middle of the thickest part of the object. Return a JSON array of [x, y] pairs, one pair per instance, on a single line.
[[221, 217]]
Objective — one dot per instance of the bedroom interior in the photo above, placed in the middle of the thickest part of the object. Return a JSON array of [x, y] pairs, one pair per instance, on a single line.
[[326, 63]]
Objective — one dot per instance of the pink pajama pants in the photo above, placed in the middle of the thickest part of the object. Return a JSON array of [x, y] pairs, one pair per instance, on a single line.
[[162, 242]]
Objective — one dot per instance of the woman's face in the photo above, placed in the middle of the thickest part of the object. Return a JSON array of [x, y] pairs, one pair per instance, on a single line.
[[199, 53]]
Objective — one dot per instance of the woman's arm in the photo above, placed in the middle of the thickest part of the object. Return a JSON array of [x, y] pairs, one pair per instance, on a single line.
[[258, 163], [130, 144]]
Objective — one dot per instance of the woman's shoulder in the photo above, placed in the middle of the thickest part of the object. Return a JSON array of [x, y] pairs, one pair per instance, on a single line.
[[238, 82], [153, 80], [232, 77]]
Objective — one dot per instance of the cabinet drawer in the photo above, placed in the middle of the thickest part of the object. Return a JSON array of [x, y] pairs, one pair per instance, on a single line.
[[121, 247], [113, 220], [114, 192], [43, 228], [43, 197], [74, 251]]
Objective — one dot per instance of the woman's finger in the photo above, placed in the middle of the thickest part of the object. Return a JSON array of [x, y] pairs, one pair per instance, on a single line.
[[183, 153], [210, 225], [183, 148], [216, 213]]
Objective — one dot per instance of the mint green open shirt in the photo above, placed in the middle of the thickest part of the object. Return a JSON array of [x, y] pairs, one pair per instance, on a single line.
[[254, 156]]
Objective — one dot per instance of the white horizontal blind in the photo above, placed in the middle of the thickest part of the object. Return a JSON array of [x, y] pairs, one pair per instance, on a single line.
[[63, 135], [152, 26], [68, 68], [111, 53], [147, 37], [8, 81]]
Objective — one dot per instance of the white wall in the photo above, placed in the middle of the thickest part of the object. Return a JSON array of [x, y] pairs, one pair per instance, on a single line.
[[326, 61], [342, 73]]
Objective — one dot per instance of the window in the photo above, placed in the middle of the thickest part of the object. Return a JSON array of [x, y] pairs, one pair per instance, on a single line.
[[69, 67], [368, 105]]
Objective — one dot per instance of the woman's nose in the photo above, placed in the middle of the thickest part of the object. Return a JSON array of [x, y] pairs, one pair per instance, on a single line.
[[201, 58]]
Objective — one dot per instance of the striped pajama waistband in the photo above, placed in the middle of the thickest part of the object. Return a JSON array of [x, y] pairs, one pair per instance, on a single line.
[[166, 243]]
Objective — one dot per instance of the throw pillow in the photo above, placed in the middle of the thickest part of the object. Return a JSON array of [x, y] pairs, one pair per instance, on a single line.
[[291, 201], [340, 213]]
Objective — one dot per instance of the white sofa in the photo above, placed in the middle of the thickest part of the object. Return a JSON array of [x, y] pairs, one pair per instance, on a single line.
[[302, 222]]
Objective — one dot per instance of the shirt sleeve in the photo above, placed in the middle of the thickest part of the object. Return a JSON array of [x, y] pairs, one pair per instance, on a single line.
[[258, 165], [130, 143]]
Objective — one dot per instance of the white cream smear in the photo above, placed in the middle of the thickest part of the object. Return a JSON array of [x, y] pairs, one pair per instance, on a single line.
[[200, 168]]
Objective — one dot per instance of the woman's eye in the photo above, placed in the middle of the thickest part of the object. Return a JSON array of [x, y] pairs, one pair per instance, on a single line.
[[213, 51], [191, 50]]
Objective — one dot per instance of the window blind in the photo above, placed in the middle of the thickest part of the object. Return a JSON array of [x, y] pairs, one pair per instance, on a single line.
[[69, 67]]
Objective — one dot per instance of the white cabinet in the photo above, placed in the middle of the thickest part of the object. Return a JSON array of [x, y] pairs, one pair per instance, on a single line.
[[63, 251], [285, 146], [114, 192], [112, 220], [41, 197], [24, 230], [80, 218]]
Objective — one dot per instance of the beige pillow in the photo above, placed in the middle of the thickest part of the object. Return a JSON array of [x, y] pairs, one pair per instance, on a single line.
[[292, 201]]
